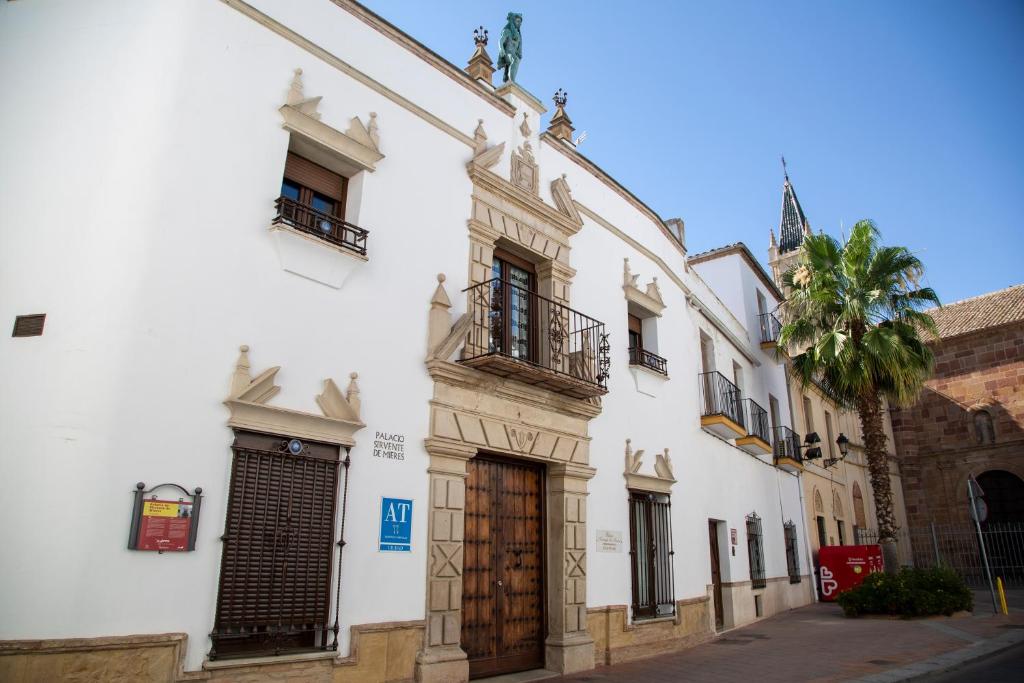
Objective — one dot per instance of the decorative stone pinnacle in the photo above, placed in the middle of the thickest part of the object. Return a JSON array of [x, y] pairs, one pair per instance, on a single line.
[[440, 277], [561, 125], [480, 36], [480, 66]]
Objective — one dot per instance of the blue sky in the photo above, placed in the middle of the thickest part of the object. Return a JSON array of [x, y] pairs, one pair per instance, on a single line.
[[909, 112]]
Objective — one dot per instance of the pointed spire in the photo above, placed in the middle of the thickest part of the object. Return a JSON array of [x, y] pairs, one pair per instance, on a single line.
[[793, 224]]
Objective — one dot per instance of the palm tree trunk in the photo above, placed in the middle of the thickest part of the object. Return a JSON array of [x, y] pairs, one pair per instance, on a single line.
[[870, 411]]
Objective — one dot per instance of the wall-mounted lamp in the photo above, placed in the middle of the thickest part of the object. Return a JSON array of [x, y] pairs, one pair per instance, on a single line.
[[844, 450]]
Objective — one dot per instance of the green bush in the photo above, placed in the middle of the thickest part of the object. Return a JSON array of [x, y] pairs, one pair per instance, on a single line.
[[910, 593]]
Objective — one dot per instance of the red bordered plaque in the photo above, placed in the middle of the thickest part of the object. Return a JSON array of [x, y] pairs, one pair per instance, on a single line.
[[164, 525]]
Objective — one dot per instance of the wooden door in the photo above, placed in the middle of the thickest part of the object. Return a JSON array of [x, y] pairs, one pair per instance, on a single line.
[[716, 574], [503, 567]]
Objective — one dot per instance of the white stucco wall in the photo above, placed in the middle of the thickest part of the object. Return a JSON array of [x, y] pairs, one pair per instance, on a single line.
[[143, 150]]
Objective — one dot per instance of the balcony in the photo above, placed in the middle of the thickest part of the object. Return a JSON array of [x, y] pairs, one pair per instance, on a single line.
[[758, 438], [329, 228], [721, 408], [646, 359], [519, 334], [787, 450], [770, 329]]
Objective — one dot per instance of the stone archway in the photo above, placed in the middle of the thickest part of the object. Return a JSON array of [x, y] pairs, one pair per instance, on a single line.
[[860, 518], [1004, 496]]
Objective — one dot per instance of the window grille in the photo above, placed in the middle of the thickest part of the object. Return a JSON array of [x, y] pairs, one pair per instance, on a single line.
[[756, 551], [792, 553], [279, 540], [650, 530]]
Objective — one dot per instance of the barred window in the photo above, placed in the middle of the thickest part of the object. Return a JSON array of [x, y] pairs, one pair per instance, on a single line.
[[755, 550], [792, 554], [650, 550]]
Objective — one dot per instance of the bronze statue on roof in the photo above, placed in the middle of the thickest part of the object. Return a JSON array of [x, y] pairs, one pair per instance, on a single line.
[[510, 47]]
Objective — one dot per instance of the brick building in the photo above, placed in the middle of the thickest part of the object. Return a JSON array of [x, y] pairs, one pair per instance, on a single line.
[[970, 417]]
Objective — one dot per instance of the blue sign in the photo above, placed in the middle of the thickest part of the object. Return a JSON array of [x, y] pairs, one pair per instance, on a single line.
[[395, 525]]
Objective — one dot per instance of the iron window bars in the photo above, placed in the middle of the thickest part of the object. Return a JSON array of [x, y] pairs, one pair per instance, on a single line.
[[651, 554], [638, 356], [329, 228], [517, 323], [787, 445], [756, 420], [275, 588], [755, 551], [719, 396], [792, 552]]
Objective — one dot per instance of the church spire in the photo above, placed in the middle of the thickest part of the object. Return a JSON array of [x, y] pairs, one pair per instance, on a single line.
[[793, 224]]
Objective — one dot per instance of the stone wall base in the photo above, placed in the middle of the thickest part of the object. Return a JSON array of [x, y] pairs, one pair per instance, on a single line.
[[617, 641], [380, 653]]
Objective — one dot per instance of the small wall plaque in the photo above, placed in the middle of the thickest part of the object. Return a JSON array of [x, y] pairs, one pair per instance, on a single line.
[[161, 523]]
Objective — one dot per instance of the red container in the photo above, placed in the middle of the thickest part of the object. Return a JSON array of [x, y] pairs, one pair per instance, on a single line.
[[842, 567]]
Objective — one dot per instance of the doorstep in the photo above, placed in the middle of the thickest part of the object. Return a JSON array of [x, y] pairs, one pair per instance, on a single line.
[[520, 677]]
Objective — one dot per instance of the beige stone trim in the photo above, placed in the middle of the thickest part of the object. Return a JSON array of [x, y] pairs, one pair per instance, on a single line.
[[660, 483], [618, 640], [426, 54], [349, 70], [152, 657], [514, 89], [648, 298], [248, 399], [318, 142], [472, 412], [521, 203]]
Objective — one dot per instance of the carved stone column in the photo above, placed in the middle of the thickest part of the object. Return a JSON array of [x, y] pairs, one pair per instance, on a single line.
[[481, 252], [442, 659], [569, 647]]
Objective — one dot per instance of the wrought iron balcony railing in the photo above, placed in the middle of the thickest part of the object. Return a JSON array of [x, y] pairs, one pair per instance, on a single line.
[[648, 360], [770, 328], [719, 396], [328, 228], [787, 445], [520, 334], [756, 420]]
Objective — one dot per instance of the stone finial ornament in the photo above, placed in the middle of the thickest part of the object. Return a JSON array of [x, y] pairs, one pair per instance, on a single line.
[[296, 98], [633, 460], [510, 47], [561, 124], [663, 465], [480, 67]]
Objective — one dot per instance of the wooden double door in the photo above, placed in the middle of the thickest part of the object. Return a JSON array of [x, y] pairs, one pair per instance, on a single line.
[[503, 624]]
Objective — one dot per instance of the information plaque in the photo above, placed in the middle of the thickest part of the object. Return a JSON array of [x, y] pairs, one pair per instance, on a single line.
[[164, 525]]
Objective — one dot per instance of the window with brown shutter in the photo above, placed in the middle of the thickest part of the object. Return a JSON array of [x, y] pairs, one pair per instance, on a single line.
[[29, 325], [278, 545], [313, 200]]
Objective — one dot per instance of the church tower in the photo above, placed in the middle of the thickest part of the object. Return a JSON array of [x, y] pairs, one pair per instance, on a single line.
[[793, 226]]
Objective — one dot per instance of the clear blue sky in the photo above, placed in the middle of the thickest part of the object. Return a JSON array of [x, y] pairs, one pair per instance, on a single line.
[[909, 112]]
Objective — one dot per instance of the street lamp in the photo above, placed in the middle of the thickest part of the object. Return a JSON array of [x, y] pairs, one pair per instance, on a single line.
[[844, 450]]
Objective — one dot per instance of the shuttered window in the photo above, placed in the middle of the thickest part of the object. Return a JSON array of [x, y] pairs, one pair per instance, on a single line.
[[278, 545], [313, 179], [650, 528], [755, 551], [792, 552]]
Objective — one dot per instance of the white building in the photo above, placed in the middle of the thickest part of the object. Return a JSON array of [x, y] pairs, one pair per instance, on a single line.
[[181, 187]]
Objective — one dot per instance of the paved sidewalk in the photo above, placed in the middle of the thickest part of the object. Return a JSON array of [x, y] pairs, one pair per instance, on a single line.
[[816, 643]]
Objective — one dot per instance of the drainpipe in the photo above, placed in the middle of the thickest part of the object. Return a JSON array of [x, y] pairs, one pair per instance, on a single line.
[[800, 479]]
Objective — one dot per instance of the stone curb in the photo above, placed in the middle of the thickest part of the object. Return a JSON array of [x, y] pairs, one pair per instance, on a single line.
[[948, 661]]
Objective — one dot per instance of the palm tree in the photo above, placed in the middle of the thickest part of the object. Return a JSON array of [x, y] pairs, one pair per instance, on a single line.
[[855, 311]]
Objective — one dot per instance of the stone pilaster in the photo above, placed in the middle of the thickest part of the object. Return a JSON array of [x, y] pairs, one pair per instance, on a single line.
[[569, 647], [442, 659]]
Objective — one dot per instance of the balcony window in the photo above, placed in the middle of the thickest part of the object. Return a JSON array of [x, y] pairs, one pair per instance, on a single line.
[[518, 333], [312, 201], [787, 451], [721, 407], [755, 418], [770, 330], [639, 354]]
